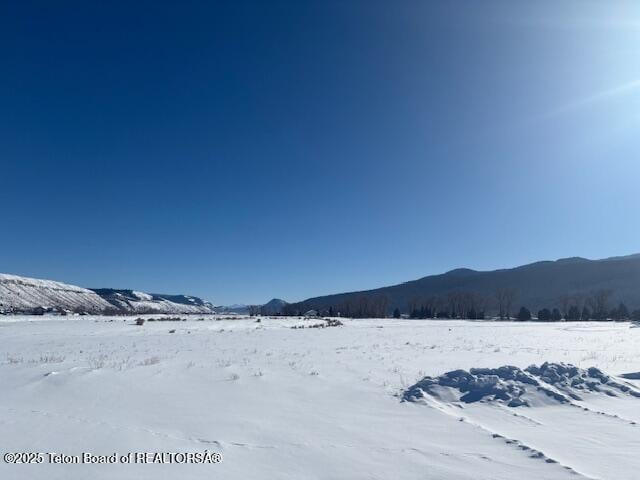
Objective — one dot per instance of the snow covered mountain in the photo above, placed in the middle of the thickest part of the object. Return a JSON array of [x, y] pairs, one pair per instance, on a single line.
[[23, 294], [140, 302]]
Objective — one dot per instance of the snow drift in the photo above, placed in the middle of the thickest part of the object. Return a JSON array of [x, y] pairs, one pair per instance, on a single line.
[[514, 387]]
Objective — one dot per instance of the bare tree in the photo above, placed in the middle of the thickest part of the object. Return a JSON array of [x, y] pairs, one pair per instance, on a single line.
[[600, 303], [504, 297], [413, 305], [565, 300], [440, 305], [510, 295], [579, 300], [379, 306], [431, 304], [466, 304], [346, 308], [363, 307], [483, 303], [384, 304], [453, 302]]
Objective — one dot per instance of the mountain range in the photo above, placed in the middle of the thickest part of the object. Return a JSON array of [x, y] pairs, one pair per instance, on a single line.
[[547, 284], [32, 295]]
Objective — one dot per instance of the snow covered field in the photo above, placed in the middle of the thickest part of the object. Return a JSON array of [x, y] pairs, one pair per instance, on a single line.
[[308, 403]]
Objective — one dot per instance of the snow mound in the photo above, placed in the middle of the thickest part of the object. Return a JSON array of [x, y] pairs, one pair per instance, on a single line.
[[514, 387]]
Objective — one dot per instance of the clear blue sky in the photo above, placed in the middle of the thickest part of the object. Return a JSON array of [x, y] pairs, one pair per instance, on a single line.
[[245, 150]]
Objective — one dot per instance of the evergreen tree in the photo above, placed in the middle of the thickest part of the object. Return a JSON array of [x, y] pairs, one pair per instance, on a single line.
[[623, 312], [544, 315], [396, 313], [524, 314], [556, 316], [586, 314]]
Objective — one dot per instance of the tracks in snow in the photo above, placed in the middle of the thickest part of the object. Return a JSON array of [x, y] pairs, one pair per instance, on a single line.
[[532, 452]]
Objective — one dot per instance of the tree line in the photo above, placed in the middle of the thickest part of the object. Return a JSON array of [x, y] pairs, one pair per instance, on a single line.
[[593, 306], [364, 306], [473, 305]]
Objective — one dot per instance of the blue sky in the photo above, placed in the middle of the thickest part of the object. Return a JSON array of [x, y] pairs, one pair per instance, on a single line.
[[245, 150]]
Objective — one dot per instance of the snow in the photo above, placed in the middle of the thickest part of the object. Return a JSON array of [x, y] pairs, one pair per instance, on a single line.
[[514, 387], [310, 403], [142, 295]]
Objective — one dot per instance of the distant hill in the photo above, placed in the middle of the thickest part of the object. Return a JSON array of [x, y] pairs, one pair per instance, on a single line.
[[546, 284], [274, 306], [237, 308], [32, 295], [23, 294]]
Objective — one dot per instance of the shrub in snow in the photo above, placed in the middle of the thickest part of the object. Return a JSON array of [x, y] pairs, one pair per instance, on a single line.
[[149, 361]]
